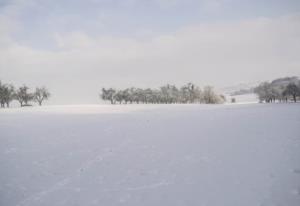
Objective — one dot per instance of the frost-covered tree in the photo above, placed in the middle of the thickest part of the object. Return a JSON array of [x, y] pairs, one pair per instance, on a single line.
[[41, 94], [278, 90], [6, 94], [134, 95], [184, 94], [108, 94], [2, 102], [126, 95], [192, 92], [119, 96], [264, 92], [198, 96], [209, 96], [23, 95], [131, 92], [167, 94], [292, 90]]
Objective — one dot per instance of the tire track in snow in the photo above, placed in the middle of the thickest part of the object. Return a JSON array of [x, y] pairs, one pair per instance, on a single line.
[[143, 187], [87, 165], [154, 185]]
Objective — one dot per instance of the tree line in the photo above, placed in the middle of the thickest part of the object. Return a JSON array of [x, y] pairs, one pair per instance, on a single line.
[[281, 90], [167, 94], [8, 93]]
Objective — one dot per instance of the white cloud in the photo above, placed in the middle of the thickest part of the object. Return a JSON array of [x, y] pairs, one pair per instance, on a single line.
[[73, 40]]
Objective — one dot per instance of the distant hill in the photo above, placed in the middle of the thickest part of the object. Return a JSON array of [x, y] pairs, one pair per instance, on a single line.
[[285, 81], [240, 89], [248, 88]]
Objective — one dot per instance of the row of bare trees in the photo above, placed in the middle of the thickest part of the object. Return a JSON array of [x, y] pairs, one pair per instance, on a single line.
[[282, 90], [167, 94], [8, 93]]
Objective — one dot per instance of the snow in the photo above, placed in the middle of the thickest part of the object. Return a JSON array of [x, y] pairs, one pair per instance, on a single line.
[[150, 155], [244, 98]]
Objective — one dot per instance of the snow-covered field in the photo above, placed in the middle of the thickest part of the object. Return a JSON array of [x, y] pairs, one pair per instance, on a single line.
[[244, 99], [147, 155]]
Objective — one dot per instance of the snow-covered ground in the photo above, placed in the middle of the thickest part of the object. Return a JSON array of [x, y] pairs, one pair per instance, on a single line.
[[243, 99], [146, 155]]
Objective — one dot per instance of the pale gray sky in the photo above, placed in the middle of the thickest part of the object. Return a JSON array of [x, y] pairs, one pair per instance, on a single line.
[[75, 47]]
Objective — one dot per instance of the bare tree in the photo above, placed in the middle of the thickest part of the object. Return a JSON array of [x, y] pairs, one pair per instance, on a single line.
[[23, 96], [2, 99], [262, 91], [41, 94], [108, 94], [119, 96], [292, 90], [8, 94]]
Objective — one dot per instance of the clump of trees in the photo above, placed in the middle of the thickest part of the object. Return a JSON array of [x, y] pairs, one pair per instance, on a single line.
[[167, 94], [281, 90], [8, 93]]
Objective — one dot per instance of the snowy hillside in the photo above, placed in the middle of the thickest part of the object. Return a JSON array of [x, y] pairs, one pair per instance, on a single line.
[[230, 90], [146, 155], [243, 98]]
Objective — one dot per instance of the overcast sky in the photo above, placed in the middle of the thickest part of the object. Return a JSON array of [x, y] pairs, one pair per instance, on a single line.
[[75, 47]]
